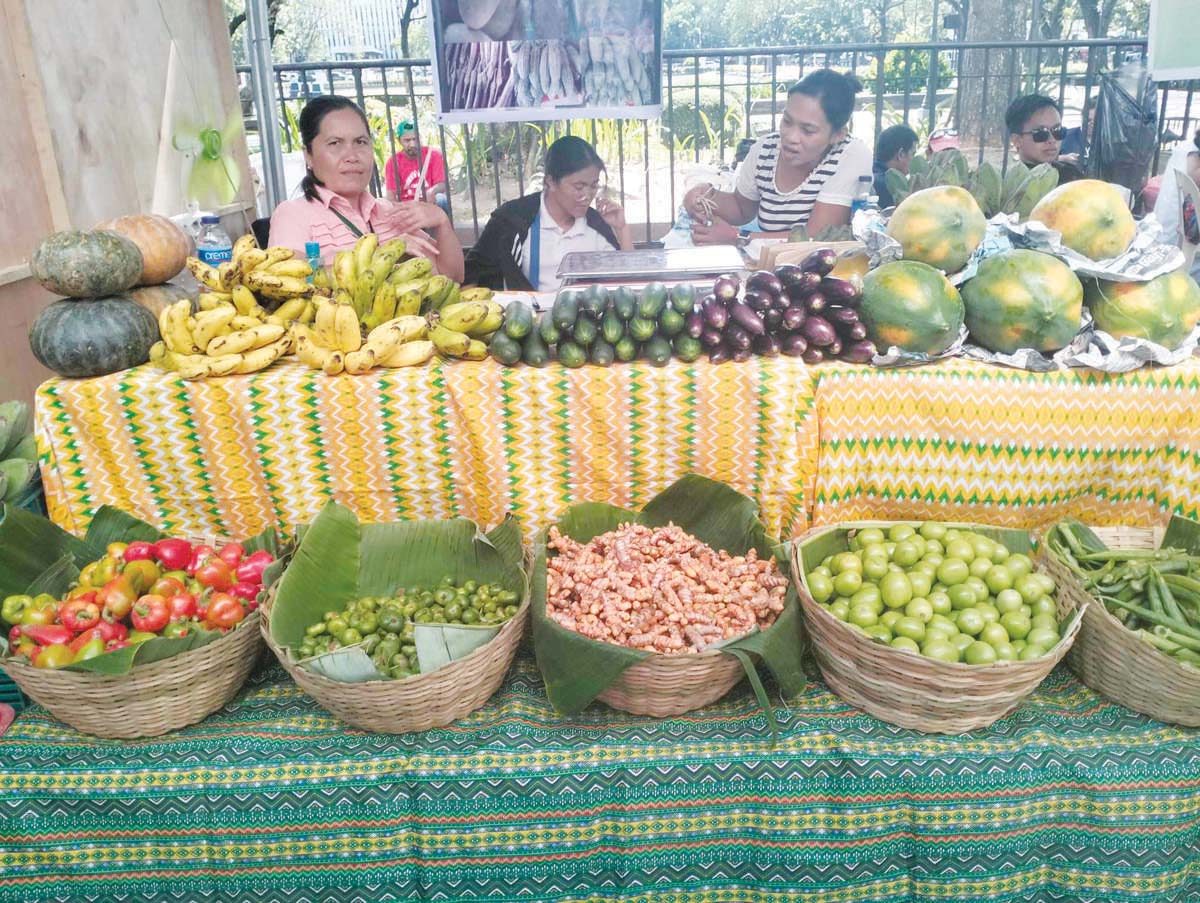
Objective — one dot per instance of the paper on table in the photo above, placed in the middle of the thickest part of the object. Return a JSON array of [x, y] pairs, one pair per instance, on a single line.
[[440, 644]]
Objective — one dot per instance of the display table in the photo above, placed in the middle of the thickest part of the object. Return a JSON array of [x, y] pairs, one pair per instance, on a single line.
[[272, 799], [814, 445]]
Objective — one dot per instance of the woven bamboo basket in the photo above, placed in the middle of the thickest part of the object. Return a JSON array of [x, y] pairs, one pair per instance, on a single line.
[[1116, 663], [151, 699], [665, 685], [415, 703], [924, 694]]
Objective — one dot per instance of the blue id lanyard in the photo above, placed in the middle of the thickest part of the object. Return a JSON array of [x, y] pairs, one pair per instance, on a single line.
[[535, 250]]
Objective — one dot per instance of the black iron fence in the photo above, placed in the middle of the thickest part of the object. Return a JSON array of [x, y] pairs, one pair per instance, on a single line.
[[713, 98]]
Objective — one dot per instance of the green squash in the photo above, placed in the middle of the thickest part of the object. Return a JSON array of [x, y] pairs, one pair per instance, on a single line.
[[94, 336], [86, 264]]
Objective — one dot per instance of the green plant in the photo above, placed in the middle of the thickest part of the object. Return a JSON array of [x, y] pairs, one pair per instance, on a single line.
[[907, 72], [683, 119]]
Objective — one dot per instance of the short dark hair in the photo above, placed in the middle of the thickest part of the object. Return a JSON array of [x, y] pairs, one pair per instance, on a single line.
[[892, 140], [835, 92], [311, 116], [1023, 107], [743, 149], [1196, 139], [570, 154]]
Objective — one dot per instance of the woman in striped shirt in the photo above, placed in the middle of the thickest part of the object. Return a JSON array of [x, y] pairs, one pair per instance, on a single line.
[[803, 175]]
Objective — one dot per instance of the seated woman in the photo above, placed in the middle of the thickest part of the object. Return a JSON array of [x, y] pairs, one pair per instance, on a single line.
[[1034, 123], [1172, 208], [337, 208], [803, 175], [525, 240]]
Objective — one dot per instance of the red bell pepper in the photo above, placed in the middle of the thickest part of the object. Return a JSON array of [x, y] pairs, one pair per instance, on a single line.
[[139, 551], [117, 597], [112, 630], [223, 611], [151, 614], [215, 574], [251, 570], [94, 633], [181, 606], [200, 554], [173, 553], [247, 591], [79, 614], [231, 553], [48, 634]]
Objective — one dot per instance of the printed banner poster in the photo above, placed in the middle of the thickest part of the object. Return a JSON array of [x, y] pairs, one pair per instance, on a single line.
[[519, 60], [1174, 37]]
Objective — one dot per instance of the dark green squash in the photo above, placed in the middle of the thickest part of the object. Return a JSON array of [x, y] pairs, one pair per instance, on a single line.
[[86, 264], [93, 336]]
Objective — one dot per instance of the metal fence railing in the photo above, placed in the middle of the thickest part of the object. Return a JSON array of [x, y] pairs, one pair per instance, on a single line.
[[713, 98]]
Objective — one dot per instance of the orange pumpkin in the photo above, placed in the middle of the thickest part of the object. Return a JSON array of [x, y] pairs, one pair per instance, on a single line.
[[163, 244]]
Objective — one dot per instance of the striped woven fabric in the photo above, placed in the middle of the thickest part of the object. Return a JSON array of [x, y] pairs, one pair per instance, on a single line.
[[1071, 798], [232, 456]]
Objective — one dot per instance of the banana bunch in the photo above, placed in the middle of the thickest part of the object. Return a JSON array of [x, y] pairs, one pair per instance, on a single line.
[[334, 342], [462, 329], [384, 282], [274, 275], [223, 337], [18, 450]]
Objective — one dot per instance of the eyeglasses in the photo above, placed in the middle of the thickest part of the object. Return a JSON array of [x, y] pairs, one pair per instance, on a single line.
[[1041, 133], [943, 133]]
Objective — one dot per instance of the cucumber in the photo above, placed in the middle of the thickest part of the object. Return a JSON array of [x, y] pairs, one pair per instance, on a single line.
[[641, 329], [585, 331], [547, 329], [612, 328], [625, 302], [686, 348], [602, 353], [626, 349], [565, 310], [505, 348], [683, 298], [595, 300], [571, 355], [658, 351], [534, 351], [671, 322], [653, 300], [518, 320]]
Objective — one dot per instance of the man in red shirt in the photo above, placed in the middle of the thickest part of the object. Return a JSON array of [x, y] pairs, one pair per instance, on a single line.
[[403, 174]]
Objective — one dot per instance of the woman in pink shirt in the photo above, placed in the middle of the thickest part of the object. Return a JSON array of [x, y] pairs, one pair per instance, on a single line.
[[337, 207]]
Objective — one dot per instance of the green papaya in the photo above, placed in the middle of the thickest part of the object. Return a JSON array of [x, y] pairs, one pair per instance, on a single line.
[[611, 327], [534, 351], [585, 331], [602, 353], [548, 329], [595, 300], [686, 348], [683, 298], [652, 301], [625, 302], [518, 320], [641, 329], [566, 309], [505, 348], [658, 351], [626, 349], [671, 322], [571, 355]]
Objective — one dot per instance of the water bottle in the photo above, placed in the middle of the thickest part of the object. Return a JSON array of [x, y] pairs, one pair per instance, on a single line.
[[862, 196], [213, 245], [312, 250]]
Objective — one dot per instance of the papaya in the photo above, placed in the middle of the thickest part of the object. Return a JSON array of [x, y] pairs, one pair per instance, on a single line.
[[911, 305], [1090, 215], [939, 226], [1164, 310], [1023, 299]]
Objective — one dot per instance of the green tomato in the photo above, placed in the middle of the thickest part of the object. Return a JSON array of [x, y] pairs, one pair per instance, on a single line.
[[1019, 564], [1045, 620], [941, 603], [470, 616], [900, 532], [935, 549], [889, 618], [1007, 599], [998, 579], [936, 634], [941, 650], [350, 636], [874, 567], [919, 608], [961, 641], [953, 571], [960, 549], [1030, 651], [823, 569], [1029, 587], [820, 586], [868, 595], [1005, 652], [1018, 645], [906, 554], [1043, 637], [994, 634], [909, 627], [1000, 553], [848, 582], [895, 589], [921, 583], [454, 612], [941, 622], [980, 588], [907, 643], [1016, 625], [980, 566], [984, 547], [990, 615], [878, 632], [1043, 605], [846, 561], [979, 653], [840, 609], [961, 596], [862, 616], [970, 622], [933, 530]]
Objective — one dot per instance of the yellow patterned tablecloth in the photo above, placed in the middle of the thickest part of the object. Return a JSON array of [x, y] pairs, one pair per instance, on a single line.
[[231, 456], [814, 445]]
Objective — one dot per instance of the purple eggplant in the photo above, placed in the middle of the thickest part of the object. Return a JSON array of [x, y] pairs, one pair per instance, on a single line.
[[736, 337], [743, 316], [839, 291], [788, 274], [855, 332], [859, 352], [794, 317], [720, 354], [818, 331], [772, 319], [766, 283], [820, 262], [781, 303], [843, 316], [813, 356], [794, 345], [715, 314], [834, 348], [815, 303], [711, 338], [695, 324], [766, 345], [742, 354], [757, 301], [726, 287], [802, 287]]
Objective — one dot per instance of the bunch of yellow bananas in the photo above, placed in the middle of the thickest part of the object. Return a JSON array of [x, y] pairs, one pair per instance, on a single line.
[[274, 275], [462, 329], [383, 282], [334, 342], [222, 337]]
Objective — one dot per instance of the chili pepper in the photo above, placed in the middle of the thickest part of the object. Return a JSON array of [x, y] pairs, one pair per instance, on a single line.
[[106, 569], [250, 570], [117, 597], [151, 614], [215, 573], [15, 606], [176, 629], [90, 649], [142, 574], [44, 613], [47, 634], [93, 633], [79, 614], [247, 591], [139, 551], [173, 553], [113, 630], [223, 611], [55, 655], [232, 554], [87, 577], [182, 606], [200, 554]]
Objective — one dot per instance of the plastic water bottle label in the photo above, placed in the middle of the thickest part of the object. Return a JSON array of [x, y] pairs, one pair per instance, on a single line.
[[213, 256]]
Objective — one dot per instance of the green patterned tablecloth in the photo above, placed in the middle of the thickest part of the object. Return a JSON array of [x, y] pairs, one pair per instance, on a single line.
[[1071, 798]]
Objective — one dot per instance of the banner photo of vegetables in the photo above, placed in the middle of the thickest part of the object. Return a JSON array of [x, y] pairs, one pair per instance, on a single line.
[[478, 76], [615, 71]]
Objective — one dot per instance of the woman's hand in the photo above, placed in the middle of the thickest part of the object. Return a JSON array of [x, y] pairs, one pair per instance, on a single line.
[[719, 233], [612, 213], [412, 216], [693, 205], [420, 244]]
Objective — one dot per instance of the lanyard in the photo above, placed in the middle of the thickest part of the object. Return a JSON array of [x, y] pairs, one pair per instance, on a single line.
[[535, 251], [349, 225]]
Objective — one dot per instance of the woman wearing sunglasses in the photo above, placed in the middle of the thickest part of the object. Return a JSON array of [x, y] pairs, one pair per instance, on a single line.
[[1034, 123], [337, 207], [525, 240]]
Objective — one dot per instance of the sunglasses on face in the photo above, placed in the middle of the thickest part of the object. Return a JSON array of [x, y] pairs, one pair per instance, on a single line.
[[1041, 133]]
